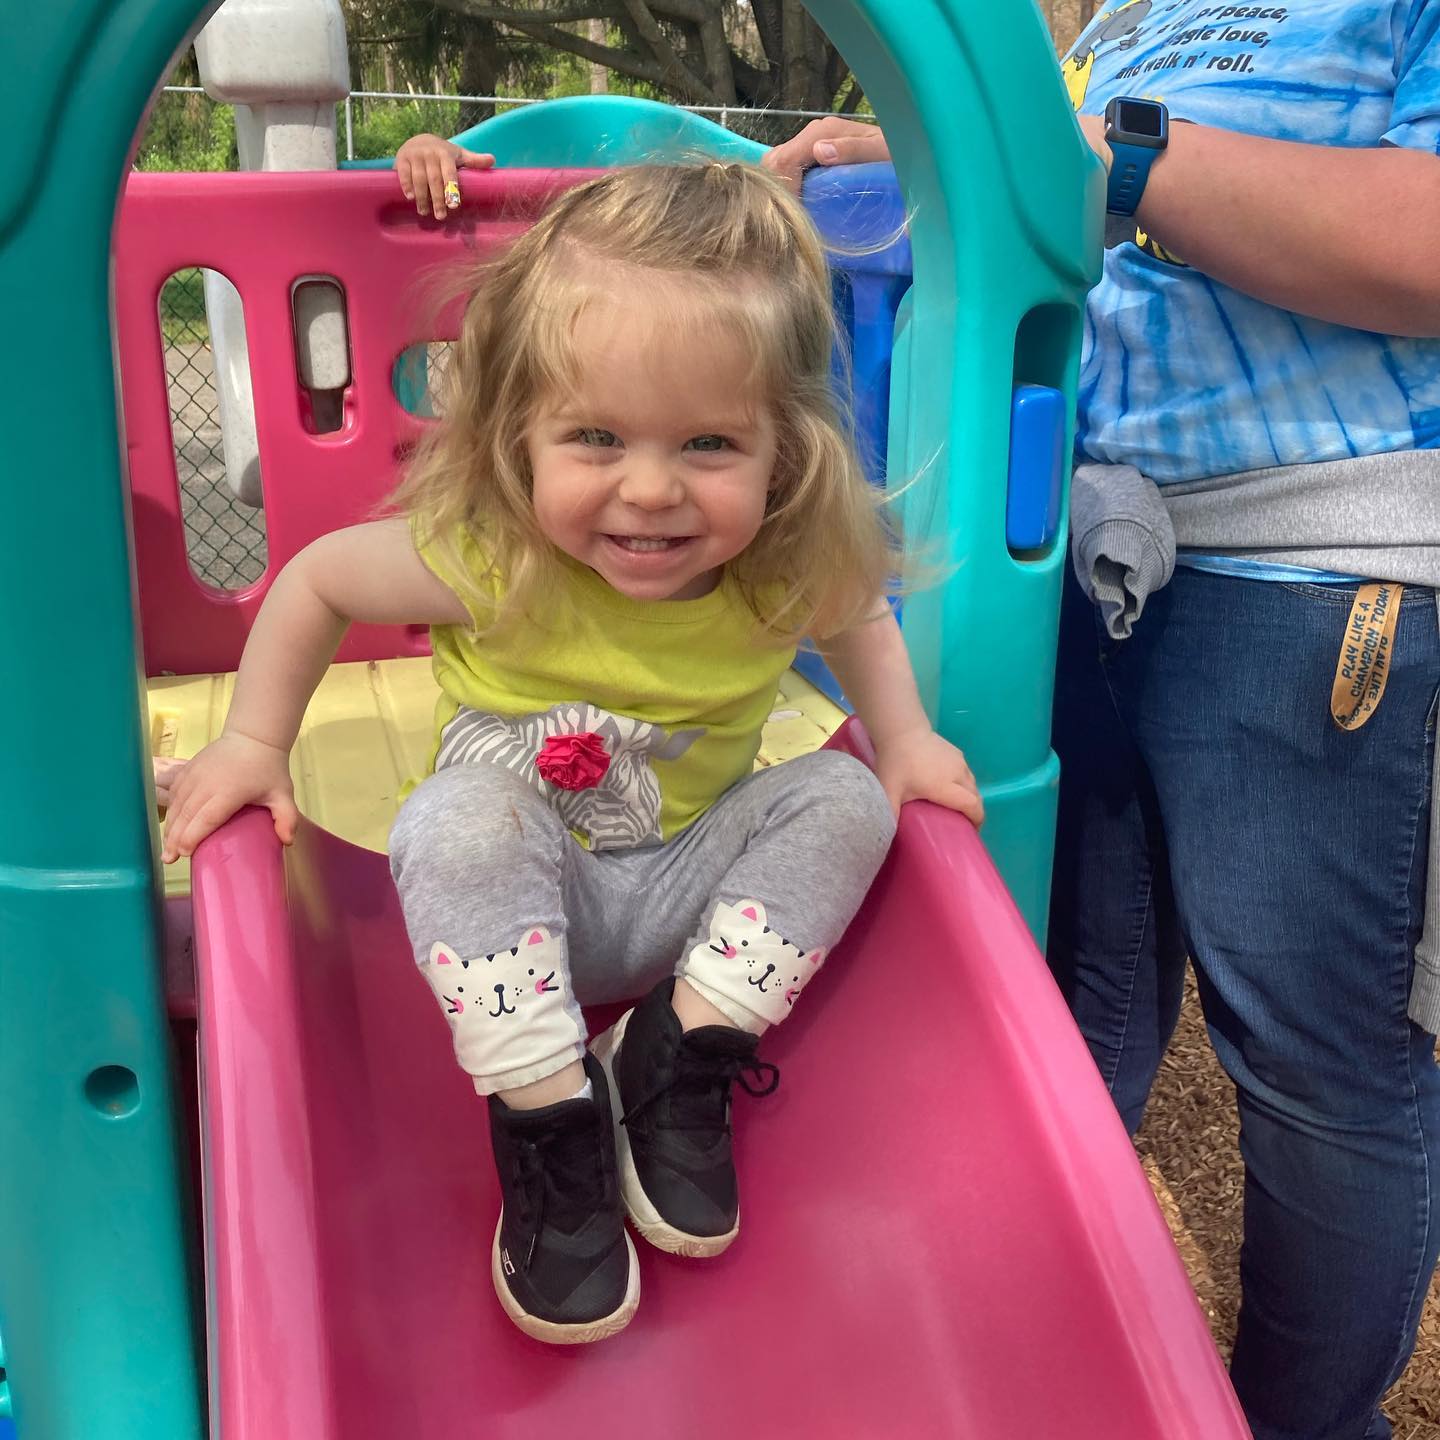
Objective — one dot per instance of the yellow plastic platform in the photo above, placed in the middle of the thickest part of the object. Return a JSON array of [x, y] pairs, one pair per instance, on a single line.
[[369, 730]]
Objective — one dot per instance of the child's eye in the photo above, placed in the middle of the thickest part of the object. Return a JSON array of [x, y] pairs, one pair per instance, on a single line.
[[601, 439], [707, 443]]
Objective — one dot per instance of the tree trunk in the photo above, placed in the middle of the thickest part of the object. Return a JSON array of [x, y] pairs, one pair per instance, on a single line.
[[797, 77], [599, 75], [691, 51], [480, 63]]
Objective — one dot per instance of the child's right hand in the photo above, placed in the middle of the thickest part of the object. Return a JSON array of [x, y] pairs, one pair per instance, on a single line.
[[427, 167], [226, 775]]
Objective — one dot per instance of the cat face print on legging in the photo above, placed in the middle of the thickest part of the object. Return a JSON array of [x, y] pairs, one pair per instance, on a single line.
[[752, 964], [507, 1009]]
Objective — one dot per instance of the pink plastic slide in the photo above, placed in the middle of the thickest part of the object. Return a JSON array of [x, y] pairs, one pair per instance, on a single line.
[[946, 1232]]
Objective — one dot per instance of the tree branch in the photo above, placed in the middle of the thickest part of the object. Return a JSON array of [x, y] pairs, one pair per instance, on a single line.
[[797, 75], [682, 77], [835, 69], [753, 87], [684, 48], [544, 26], [769, 27], [529, 23], [719, 58], [509, 15], [695, 11]]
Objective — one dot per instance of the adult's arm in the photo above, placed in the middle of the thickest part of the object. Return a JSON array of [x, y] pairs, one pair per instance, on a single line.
[[1339, 234], [1344, 235]]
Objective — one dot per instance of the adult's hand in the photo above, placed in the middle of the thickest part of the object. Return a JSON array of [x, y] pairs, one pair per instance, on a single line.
[[830, 141], [837, 141]]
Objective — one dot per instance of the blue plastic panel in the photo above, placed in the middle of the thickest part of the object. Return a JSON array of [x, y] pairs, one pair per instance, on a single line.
[[818, 673], [1037, 468], [861, 213], [860, 209]]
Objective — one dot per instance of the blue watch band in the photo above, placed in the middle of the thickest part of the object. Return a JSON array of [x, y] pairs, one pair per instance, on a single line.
[[1128, 173], [1137, 131]]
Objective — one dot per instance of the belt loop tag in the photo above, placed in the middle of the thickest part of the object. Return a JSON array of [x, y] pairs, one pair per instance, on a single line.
[[1365, 653]]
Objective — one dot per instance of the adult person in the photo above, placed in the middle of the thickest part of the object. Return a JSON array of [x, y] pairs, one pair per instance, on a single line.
[[1237, 784]]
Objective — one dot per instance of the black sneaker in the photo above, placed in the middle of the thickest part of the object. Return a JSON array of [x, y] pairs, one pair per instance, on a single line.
[[563, 1266], [672, 1144]]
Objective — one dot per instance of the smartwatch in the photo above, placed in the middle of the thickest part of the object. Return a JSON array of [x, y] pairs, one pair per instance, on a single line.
[[1137, 131]]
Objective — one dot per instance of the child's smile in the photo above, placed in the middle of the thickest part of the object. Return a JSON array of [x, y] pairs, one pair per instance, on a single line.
[[655, 472], [644, 558]]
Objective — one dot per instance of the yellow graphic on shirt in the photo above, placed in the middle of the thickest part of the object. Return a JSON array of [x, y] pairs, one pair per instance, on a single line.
[[1155, 248], [1076, 70], [1122, 25]]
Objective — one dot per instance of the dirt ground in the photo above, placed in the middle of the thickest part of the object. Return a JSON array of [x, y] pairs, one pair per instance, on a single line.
[[1189, 1148]]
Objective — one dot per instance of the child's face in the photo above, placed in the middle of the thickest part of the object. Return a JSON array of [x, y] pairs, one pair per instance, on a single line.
[[654, 472]]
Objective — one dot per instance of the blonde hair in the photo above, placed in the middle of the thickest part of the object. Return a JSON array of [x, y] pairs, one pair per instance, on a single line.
[[747, 259]]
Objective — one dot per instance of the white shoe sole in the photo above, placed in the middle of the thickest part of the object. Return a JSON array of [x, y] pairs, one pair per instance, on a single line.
[[547, 1330], [643, 1215]]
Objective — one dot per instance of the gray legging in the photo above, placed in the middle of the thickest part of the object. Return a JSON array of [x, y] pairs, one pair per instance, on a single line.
[[515, 924]]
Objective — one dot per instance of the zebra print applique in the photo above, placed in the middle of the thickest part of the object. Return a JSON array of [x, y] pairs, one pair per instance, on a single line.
[[621, 808]]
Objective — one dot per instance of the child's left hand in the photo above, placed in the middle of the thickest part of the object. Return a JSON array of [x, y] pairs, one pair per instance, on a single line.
[[167, 772], [919, 765]]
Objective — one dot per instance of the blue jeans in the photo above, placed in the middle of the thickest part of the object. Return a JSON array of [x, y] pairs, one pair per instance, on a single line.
[[1209, 806]]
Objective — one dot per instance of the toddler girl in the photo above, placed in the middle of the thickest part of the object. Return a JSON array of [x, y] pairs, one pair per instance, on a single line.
[[639, 498]]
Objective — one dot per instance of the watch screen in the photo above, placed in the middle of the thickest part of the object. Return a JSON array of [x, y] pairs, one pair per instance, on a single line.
[[1139, 117]]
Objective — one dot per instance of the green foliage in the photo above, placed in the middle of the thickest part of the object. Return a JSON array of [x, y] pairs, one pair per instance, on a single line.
[[188, 132], [182, 309], [565, 75], [381, 127]]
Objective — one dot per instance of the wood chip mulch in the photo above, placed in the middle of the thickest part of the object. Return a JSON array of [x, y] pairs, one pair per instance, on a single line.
[[1189, 1149]]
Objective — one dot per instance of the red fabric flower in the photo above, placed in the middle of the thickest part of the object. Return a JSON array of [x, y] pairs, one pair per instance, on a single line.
[[573, 762]]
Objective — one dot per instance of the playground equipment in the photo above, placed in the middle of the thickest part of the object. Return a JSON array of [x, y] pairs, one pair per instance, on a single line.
[[282, 64], [1026, 1284]]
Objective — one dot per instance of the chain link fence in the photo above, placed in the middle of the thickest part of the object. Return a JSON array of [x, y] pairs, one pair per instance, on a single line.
[[224, 537]]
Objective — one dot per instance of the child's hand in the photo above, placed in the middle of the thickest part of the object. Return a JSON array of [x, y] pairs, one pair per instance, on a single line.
[[167, 772], [232, 772], [921, 766], [427, 167]]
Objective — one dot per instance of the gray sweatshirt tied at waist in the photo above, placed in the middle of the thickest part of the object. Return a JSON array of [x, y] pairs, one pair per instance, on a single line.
[[1377, 517]]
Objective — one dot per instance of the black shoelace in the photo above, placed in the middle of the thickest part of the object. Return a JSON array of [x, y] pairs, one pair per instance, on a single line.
[[561, 1171], [699, 1091]]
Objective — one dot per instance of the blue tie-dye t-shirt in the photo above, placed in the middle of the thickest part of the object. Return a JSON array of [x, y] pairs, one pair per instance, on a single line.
[[1185, 378]]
